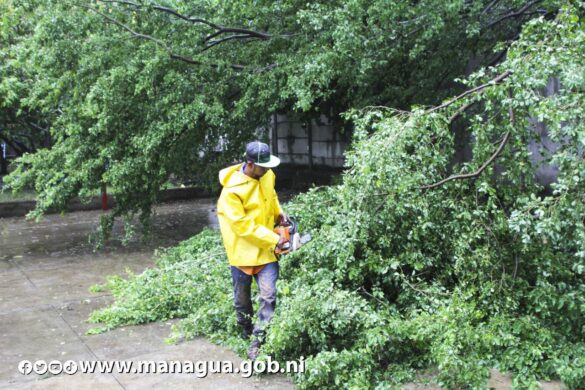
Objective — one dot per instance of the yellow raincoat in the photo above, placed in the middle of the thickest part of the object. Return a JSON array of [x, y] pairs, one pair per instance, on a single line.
[[247, 210]]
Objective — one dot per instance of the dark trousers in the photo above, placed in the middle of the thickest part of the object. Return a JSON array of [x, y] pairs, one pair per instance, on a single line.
[[266, 281]]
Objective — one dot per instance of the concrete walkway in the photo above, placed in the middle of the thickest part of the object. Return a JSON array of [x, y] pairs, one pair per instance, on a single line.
[[45, 272]]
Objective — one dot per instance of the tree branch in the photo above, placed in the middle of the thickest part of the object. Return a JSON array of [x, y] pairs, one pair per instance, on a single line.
[[496, 58], [165, 10], [514, 14], [250, 33], [489, 7], [474, 174], [190, 19], [485, 164], [461, 110], [220, 29], [158, 42], [510, 110], [213, 43], [241, 33], [490, 83], [36, 126], [28, 138]]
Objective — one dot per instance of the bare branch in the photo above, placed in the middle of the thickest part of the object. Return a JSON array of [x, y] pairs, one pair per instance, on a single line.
[[489, 7], [165, 10], [474, 174], [158, 42], [190, 19], [220, 29], [520, 12], [232, 37], [485, 164], [250, 33], [362, 288], [498, 57]]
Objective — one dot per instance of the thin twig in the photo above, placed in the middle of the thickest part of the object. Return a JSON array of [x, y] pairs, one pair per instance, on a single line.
[[372, 296], [405, 280], [515, 266], [158, 42]]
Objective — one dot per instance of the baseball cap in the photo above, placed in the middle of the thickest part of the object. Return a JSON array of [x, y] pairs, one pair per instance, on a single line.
[[259, 153]]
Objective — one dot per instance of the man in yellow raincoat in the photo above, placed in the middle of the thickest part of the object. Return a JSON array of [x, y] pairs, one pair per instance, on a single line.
[[247, 210]]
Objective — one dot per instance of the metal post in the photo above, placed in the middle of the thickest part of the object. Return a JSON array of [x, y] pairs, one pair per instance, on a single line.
[[275, 134], [310, 142], [3, 165]]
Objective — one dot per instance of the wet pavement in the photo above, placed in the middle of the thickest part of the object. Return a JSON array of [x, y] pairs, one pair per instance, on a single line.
[[46, 269]]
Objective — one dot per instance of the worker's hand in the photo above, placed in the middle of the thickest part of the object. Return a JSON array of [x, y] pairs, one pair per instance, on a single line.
[[282, 220]]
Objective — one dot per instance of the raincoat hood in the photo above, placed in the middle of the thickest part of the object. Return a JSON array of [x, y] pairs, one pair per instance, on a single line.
[[232, 176]]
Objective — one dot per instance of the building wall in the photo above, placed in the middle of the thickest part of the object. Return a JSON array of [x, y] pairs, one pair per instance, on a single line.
[[314, 143]]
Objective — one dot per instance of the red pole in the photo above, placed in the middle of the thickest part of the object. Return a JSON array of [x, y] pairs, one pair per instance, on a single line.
[[104, 197]]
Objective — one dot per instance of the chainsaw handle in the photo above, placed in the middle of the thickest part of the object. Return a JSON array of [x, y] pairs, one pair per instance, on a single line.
[[283, 220]]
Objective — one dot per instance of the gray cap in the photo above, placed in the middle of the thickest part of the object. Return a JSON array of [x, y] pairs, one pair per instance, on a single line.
[[259, 153]]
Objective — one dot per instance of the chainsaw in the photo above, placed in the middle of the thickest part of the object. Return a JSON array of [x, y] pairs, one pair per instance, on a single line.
[[294, 240]]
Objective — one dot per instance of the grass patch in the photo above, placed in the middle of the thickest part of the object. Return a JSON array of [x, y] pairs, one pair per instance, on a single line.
[[8, 196]]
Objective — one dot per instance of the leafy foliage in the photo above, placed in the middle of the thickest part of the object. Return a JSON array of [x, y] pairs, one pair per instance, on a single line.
[[23, 129], [404, 276], [135, 91]]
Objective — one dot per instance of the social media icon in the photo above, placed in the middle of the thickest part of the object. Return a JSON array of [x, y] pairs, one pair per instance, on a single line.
[[55, 367], [25, 367], [40, 367], [70, 367]]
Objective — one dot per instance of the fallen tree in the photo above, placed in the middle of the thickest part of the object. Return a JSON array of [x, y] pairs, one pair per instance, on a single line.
[[418, 264]]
